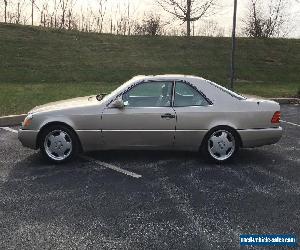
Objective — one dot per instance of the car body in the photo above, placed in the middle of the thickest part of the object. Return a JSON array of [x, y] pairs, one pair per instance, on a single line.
[[173, 112]]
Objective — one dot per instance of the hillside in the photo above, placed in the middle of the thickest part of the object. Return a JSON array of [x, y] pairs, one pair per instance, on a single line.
[[40, 65]]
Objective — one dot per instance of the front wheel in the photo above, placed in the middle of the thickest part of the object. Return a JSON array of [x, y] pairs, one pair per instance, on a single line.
[[58, 144], [221, 145]]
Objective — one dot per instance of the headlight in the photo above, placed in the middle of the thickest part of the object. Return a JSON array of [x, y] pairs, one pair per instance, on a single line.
[[27, 121]]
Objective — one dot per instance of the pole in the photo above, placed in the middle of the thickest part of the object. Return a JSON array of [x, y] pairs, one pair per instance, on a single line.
[[233, 47], [5, 11], [32, 3], [188, 17]]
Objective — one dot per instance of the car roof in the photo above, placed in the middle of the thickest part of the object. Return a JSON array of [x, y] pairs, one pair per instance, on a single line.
[[167, 77]]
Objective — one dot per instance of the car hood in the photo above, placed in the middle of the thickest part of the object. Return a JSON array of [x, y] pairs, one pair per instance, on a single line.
[[65, 104]]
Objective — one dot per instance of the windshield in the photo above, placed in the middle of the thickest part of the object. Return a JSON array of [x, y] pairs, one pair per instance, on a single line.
[[103, 97]]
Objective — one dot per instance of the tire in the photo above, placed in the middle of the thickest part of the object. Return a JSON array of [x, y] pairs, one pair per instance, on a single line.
[[58, 144], [221, 144]]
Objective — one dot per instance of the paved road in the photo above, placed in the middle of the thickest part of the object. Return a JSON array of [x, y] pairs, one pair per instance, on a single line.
[[180, 201]]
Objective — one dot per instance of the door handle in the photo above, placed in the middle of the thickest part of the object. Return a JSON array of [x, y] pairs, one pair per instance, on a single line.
[[168, 116]]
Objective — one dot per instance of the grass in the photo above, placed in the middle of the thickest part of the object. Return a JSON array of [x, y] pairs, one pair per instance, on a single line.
[[40, 65], [23, 97], [270, 90]]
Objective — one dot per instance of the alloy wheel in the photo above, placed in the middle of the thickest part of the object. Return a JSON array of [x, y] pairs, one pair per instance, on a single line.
[[58, 145], [221, 145]]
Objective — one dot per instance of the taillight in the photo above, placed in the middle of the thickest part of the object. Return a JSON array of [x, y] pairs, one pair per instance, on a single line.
[[276, 117]]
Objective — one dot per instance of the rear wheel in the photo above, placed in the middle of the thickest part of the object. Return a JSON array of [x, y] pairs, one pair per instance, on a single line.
[[58, 144], [221, 144]]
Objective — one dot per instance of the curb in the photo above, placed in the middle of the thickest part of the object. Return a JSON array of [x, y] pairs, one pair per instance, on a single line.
[[12, 120], [286, 100]]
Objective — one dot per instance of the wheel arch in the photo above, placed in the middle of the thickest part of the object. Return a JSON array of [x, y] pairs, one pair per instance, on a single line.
[[56, 123], [234, 130]]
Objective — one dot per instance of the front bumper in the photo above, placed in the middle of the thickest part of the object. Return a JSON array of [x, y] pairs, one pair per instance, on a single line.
[[28, 138], [259, 137]]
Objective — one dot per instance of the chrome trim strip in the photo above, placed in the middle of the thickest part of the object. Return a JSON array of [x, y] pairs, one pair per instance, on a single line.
[[88, 130], [144, 130], [148, 130], [191, 130], [27, 130], [260, 129]]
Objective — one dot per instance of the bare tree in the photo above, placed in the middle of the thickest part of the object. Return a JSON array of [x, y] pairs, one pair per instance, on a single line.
[[70, 16], [63, 6], [44, 14], [188, 11], [18, 16], [102, 5], [102, 12], [211, 28], [266, 21], [120, 14], [71, 21], [131, 10], [128, 28], [86, 14], [54, 14], [19, 8], [151, 25]]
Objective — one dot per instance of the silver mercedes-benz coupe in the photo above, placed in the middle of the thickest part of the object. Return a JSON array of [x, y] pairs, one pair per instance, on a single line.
[[171, 112]]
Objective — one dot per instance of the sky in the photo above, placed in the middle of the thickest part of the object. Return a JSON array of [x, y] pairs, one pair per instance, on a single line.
[[223, 16]]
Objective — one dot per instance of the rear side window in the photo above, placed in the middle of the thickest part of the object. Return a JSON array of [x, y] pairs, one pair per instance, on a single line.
[[186, 95]]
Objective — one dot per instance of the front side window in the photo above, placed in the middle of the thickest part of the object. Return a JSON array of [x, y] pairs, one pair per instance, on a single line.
[[186, 95], [149, 94]]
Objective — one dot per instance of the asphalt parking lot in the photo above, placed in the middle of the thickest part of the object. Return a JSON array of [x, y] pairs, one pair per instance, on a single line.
[[166, 200]]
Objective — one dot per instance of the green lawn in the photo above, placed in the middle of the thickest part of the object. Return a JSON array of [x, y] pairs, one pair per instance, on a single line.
[[19, 98], [41, 65]]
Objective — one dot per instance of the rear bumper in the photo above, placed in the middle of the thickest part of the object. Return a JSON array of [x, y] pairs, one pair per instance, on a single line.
[[28, 138], [259, 137]]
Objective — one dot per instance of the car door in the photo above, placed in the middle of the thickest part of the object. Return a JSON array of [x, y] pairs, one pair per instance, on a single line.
[[147, 120], [194, 112]]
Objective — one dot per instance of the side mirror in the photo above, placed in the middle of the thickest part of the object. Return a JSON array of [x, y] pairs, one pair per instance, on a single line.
[[119, 104]]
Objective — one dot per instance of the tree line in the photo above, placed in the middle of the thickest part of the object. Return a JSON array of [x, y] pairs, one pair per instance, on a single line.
[[262, 18]]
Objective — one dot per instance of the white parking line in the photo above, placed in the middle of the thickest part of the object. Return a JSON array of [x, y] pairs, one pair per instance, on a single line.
[[110, 166], [104, 164], [9, 129], [294, 124]]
